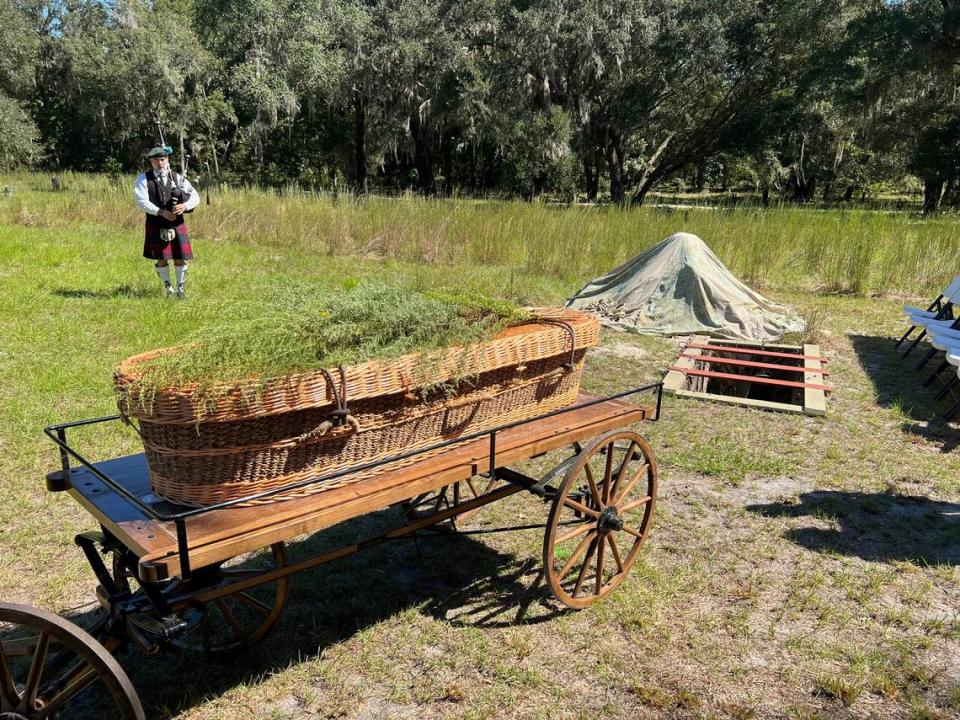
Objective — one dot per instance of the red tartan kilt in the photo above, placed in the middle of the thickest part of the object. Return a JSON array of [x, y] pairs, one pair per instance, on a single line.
[[177, 249]]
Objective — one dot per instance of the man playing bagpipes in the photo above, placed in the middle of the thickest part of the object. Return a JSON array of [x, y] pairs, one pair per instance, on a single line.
[[165, 196]]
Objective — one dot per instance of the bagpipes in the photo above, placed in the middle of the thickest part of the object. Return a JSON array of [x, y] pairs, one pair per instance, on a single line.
[[179, 194]]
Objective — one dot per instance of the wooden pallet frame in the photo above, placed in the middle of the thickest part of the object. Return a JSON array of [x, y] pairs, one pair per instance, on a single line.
[[814, 394]]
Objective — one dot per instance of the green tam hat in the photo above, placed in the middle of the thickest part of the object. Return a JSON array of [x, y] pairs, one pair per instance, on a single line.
[[160, 151]]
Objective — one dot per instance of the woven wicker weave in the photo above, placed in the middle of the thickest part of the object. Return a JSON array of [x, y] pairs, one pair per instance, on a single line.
[[263, 435]]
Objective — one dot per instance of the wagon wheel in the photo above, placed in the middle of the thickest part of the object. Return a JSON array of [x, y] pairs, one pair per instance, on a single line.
[[47, 662], [244, 617], [239, 619], [600, 518]]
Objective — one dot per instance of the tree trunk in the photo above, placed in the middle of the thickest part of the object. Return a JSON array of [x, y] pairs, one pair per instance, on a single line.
[[421, 155], [932, 193], [359, 144], [803, 190], [700, 178], [614, 153], [827, 192], [766, 196], [641, 194], [652, 171], [448, 141], [591, 177], [848, 193]]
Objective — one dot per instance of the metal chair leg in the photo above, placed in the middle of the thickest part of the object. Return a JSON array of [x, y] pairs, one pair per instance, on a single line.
[[936, 373], [942, 393], [948, 415], [915, 342], [905, 336], [930, 353]]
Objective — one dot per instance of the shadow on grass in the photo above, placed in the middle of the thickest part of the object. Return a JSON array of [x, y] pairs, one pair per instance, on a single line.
[[121, 291], [446, 576], [898, 383], [875, 526]]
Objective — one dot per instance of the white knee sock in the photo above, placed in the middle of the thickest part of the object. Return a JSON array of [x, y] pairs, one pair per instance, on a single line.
[[181, 271], [164, 272]]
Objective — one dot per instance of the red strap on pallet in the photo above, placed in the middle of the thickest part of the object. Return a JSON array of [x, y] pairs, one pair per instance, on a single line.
[[750, 363], [751, 379], [751, 351]]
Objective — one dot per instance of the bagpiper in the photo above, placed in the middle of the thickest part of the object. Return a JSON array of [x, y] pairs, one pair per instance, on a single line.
[[166, 196]]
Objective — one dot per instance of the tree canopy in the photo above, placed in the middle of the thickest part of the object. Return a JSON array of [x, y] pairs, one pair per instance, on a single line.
[[592, 99]]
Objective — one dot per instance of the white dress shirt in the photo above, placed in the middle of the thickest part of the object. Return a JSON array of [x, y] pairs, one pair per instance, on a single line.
[[142, 197]]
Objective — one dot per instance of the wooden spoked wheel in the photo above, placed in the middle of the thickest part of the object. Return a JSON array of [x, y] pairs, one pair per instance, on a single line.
[[600, 517], [231, 621], [242, 618], [46, 663]]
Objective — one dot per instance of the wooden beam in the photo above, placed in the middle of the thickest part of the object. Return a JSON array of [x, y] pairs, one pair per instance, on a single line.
[[751, 351], [750, 379], [750, 363]]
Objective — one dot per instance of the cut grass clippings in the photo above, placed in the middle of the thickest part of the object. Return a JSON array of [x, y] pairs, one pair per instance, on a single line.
[[298, 327]]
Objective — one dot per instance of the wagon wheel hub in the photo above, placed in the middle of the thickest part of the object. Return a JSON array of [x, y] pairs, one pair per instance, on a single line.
[[609, 520]]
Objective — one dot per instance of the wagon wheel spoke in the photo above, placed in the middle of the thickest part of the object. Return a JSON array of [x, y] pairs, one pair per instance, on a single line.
[[607, 474], [8, 689], [627, 457], [250, 601], [634, 504], [476, 492], [581, 576], [576, 532], [70, 684], [594, 490], [36, 672], [622, 493], [581, 508], [615, 551], [601, 547], [230, 619], [575, 555], [632, 531]]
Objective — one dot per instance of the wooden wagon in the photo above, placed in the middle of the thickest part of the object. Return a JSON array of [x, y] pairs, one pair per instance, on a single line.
[[218, 577]]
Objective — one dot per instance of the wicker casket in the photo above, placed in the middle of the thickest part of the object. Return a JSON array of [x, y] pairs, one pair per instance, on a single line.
[[260, 435]]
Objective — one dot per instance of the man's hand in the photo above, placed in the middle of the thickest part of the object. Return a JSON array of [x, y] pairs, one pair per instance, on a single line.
[[180, 209], [167, 215]]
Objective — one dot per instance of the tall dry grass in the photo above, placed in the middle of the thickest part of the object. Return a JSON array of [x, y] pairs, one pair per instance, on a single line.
[[852, 251]]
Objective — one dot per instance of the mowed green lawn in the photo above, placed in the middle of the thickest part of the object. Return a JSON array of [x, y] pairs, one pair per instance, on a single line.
[[798, 567]]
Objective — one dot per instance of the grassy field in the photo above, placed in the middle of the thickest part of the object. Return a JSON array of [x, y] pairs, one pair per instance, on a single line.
[[798, 567]]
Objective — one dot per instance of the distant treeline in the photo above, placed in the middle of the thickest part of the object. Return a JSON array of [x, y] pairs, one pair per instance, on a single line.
[[797, 99]]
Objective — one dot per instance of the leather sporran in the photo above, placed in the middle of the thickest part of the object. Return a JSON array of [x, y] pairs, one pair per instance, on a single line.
[[167, 234]]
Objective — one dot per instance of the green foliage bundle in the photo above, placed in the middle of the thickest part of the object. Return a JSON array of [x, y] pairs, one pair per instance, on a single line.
[[300, 327]]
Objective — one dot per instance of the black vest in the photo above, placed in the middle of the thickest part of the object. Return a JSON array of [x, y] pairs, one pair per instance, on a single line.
[[164, 198]]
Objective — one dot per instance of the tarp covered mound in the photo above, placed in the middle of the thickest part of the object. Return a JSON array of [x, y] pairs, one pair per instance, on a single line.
[[679, 287]]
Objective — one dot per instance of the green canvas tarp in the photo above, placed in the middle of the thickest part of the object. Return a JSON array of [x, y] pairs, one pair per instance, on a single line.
[[679, 287]]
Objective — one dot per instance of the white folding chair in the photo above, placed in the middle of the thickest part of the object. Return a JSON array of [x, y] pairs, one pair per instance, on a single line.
[[940, 309]]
